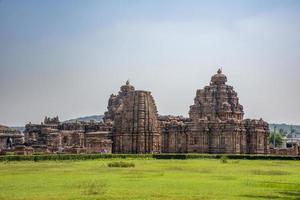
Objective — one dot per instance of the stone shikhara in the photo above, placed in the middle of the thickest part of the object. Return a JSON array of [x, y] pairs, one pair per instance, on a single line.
[[132, 125]]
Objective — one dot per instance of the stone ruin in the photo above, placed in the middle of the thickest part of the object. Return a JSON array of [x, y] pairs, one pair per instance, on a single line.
[[69, 137], [10, 139], [54, 120], [132, 125]]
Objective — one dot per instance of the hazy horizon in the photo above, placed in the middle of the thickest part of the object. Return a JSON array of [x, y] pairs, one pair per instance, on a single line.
[[65, 58]]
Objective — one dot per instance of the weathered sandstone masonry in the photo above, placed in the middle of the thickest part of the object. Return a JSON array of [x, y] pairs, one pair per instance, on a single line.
[[131, 124]]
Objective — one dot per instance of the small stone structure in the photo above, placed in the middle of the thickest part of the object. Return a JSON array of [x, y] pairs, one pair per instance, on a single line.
[[9, 139], [294, 150]]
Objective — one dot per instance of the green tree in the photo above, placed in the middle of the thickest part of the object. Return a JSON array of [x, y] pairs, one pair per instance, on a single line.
[[278, 139], [282, 132]]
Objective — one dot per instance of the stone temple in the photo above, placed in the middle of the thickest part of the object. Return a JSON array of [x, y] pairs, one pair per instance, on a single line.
[[132, 125], [216, 124], [135, 121]]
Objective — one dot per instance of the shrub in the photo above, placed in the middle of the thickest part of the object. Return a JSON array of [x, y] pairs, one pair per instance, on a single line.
[[224, 159], [121, 164], [142, 156], [170, 156], [35, 159]]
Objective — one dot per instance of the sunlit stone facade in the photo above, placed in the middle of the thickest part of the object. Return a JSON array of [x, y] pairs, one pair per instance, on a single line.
[[132, 125]]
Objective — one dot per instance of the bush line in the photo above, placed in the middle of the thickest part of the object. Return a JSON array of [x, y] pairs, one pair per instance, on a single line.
[[141, 156]]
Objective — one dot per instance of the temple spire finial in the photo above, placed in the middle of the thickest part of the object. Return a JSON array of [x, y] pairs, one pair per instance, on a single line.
[[220, 70], [127, 82]]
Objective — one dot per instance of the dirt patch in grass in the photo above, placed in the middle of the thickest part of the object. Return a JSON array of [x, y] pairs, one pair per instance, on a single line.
[[134, 175], [93, 188], [189, 169], [269, 172], [261, 196], [294, 194], [288, 195], [205, 171], [285, 184], [227, 178], [137, 174], [175, 168]]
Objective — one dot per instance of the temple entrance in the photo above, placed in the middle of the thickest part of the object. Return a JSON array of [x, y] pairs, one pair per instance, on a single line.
[[9, 143]]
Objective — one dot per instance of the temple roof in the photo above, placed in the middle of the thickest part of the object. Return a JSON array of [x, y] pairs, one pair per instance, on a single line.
[[2, 127], [218, 78], [127, 87], [217, 101]]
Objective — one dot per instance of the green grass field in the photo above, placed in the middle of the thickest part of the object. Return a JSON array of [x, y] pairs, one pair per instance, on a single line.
[[150, 179]]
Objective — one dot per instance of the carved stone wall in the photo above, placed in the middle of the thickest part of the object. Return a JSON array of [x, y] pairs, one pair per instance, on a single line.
[[217, 101], [69, 137], [174, 134], [9, 138], [136, 128], [98, 142], [216, 124], [257, 132]]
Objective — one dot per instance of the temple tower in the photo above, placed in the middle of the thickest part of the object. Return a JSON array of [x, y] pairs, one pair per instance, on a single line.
[[136, 128], [115, 101], [217, 101], [217, 119]]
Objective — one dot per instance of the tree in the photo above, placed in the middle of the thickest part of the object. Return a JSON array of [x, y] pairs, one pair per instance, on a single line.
[[292, 131], [278, 139], [282, 132]]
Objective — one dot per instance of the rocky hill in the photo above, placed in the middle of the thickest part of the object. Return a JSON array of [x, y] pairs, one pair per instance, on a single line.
[[96, 118]]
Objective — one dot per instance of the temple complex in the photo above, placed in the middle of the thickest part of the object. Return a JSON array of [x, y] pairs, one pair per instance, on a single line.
[[131, 124]]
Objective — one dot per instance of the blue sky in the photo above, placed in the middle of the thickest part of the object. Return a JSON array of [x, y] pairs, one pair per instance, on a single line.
[[66, 57]]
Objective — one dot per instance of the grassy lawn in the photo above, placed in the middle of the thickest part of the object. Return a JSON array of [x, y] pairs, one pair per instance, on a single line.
[[150, 179]]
